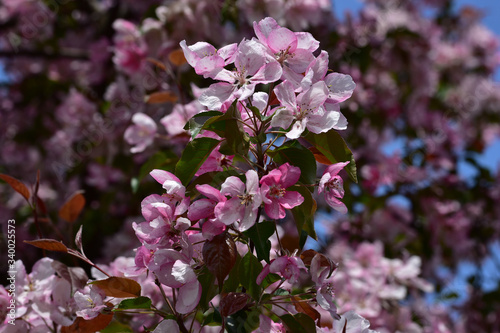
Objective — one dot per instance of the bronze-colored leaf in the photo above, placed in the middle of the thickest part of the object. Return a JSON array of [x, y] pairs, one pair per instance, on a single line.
[[219, 255], [319, 157], [308, 255], [73, 207], [81, 325], [48, 244], [176, 57], [232, 303], [305, 307], [16, 185], [161, 97], [157, 63], [119, 287]]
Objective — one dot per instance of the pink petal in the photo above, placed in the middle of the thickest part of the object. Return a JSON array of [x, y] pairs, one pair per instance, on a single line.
[[282, 39], [335, 203], [188, 298], [289, 175], [334, 169], [230, 211], [291, 199], [216, 95], [210, 192], [341, 86], [161, 176], [201, 209], [232, 186], [274, 210]]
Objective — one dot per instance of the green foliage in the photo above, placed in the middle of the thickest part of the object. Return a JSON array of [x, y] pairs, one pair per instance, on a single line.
[[141, 302], [333, 146], [304, 214], [260, 234], [297, 155], [192, 158]]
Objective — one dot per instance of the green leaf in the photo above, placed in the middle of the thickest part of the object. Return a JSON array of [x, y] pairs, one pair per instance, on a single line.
[[260, 234], [141, 302], [299, 323], [248, 270], [297, 155], [208, 288], [192, 158], [117, 327], [233, 280], [195, 124], [229, 127], [304, 214], [164, 160], [335, 150]]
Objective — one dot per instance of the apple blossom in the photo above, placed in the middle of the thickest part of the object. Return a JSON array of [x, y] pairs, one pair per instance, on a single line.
[[331, 183]]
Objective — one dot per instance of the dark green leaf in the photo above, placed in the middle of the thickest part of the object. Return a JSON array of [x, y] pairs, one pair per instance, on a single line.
[[164, 160], [194, 155], [299, 323], [195, 124], [304, 214], [260, 234], [333, 146], [249, 268], [297, 155], [208, 288], [233, 280], [117, 327], [141, 302]]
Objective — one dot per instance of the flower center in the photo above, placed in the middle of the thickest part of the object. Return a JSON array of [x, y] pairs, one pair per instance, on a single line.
[[246, 199], [282, 55], [277, 191], [334, 184]]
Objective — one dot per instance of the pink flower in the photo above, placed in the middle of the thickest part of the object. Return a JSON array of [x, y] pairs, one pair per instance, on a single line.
[[324, 286], [204, 208], [253, 66], [244, 203], [141, 133], [288, 267], [332, 184], [168, 325], [206, 59], [274, 194], [351, 322], [90, 304], [175, 191], [174, 270], [306, 110]]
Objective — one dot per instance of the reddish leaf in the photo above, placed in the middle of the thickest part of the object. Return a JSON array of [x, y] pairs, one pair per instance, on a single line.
[[176, 57], [157, 63], [119, 287], [161, 97], [48, 244], [307, 257], [81, 325], [219, 255], [41, 205], [232, 303], [319, 156], [72, 208], [16, 185], [304, 307]]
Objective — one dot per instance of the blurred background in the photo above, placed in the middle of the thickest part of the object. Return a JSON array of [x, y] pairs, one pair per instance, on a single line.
[[424, 126]]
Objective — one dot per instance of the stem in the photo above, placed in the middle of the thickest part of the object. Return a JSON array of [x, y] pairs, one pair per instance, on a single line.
[[278, 236]]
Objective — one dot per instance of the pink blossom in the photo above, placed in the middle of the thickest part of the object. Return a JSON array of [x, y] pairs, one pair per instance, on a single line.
[[130, 48], [175, 191], [174, 270], [141, 133], [244, 202], [90, 303], [324, 286], [274, 194], [206, 59], [351, 322], [204, 208], [332, 184], [287, 267], [306, 110], [252, 67]]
